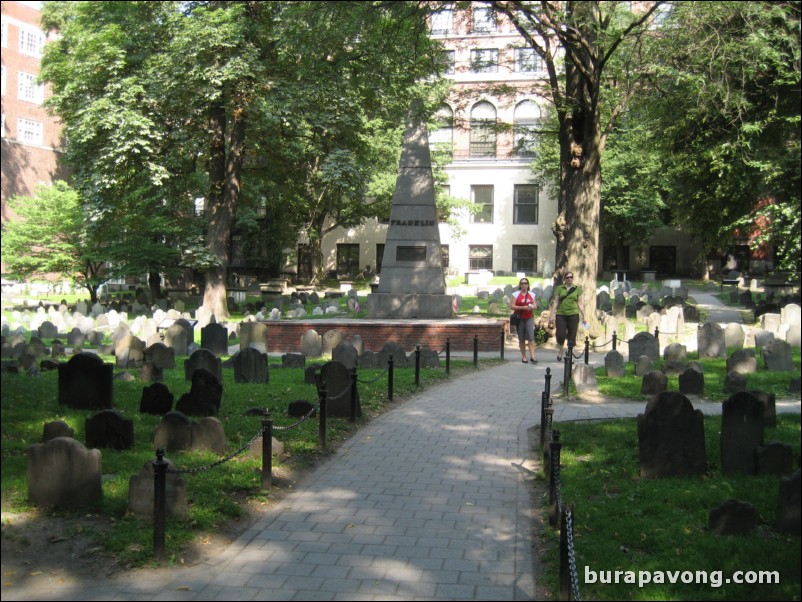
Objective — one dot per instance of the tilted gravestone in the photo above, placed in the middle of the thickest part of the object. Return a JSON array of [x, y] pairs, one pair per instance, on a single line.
[[671, 438], [789, 505], [156, 399], [692, 382], [741, 432], [345, 353], [203, 359], [251, 366], [178, 336], [204, 396], [214, 337], [777, 356], [337, 379], [644, 343], [743, 361], [614, 364], [85, 382], [710, 341], [111, 429], [141, 492], [63, 473], [129, 351]]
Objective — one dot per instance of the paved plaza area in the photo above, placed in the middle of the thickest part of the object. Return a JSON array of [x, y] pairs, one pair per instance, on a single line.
[[429, 501]]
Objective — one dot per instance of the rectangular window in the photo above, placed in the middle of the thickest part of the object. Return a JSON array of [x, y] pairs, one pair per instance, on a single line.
[[525, 204], [237, 254], [482, 197], [615, 258], [28, 89], [484, 60], [524, 258], [527, 61], [480, 257], [379, 257], [31, 42], [447, 61], [347, 260], [442, 21], [484, 20], [30, 131]]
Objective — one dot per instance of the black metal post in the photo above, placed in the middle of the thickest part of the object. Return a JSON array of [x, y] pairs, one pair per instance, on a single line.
[[548, 383], [322, 394], [657, 336], [390, 378], [354, 394], [475, 351], [544, 402], [503, 341], [554, 476], [159, 504], [587, 350], [615, 340], [417, 365], [448, 355], [569, 360], [267, 449]]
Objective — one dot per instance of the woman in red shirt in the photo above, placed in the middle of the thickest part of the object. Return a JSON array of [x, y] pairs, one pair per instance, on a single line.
[[523, 303]]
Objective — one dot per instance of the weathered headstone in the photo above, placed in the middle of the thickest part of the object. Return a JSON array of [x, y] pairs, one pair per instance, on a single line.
[[203, 359], [109, 428], [141, 492], [85, 382], [743, 361], [734, 382], [253, 334], [733, 517], [397, 352], [614, 364], [178, 336], [734, 336], [56, 428], [160, 355], [775, 457], [156, 399], [777, 356], [174, 432], [741, 433], [204, 396], [584, 378], [654, 382], [671, 437], [643, 365], [345, 353], [692, 382], [789, 505], [293, 360], [311, 344], [209, 434], [643, 343], [710, 341], [214, 337], [63, 473], [337, 378], [251, 366]]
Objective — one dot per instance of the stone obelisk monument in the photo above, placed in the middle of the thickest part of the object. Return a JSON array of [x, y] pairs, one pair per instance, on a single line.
[[412, 283]]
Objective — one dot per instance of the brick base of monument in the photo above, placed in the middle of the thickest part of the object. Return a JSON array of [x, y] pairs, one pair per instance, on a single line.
[[285, 336]]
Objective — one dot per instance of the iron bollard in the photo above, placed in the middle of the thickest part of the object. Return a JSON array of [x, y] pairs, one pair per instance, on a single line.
[[554, 476], [448, 355], [390, 378], [417, 365], [267, 449], [615, 340], [322, 394], [159, 504], [587, 350], [657, 336], [354, 394], [503, 341], [548, 383], [544, 402], [475, 351], [569, 360]]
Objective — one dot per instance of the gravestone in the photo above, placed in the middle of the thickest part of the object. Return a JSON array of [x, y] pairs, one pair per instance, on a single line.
[[203, 359], [150, 373], [741, 432], [129, 351], [391, 348], [584, 378], [789, 505], [174, 432], [429, 358], [346, 354], [675, 352], [75, 337], [56, 428], [332, 338], [762, 338], [253, 334], [671, 437], [214, 337], [369, 360], [141, 492], [110, 429], [710, 341], [743, 361], [654, 382], [412, 283], [48, 330], [204, 397], [156, 399], [178, 336], [777, 356], [733, 517], [250, 366], [311, 344], [293, 360], [643, 343], [734, 382], [690, 313], [337, 378], [692, 382], [614, 364], [769, 407], [85, 382], [209, 434], [63, 473], [643, 365], [301, 408], [775, 457]]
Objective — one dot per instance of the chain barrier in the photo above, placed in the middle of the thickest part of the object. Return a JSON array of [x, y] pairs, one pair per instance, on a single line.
[[231, 456], [303, 419], [373, 380], [573, 573]]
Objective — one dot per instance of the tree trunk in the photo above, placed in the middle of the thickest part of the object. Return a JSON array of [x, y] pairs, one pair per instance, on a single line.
[[155, 285]]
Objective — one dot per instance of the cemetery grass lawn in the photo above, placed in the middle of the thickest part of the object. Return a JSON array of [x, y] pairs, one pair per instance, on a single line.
[[625, 523], [223, 501]]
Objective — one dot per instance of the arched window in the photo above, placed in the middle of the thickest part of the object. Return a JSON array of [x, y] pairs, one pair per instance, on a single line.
[[443, 137], [527, 123], [483, 130]]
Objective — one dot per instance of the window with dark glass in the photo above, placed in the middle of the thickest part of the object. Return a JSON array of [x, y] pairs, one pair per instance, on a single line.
[[524, 258], [482, 197], [527, 61], [525, 204], [484, 60], [480, 257], [347, 259], [483, 130]]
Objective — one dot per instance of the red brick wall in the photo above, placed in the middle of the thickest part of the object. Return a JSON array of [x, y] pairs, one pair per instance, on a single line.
[[285, 337]]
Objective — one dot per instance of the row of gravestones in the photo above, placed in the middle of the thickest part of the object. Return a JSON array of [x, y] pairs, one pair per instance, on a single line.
[[671, 443]]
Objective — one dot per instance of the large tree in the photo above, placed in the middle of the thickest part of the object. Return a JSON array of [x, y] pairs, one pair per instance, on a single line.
[[204, 89], [591, 53]]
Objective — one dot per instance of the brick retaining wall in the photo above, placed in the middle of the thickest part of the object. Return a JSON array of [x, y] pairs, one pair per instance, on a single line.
[[285, 336]]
